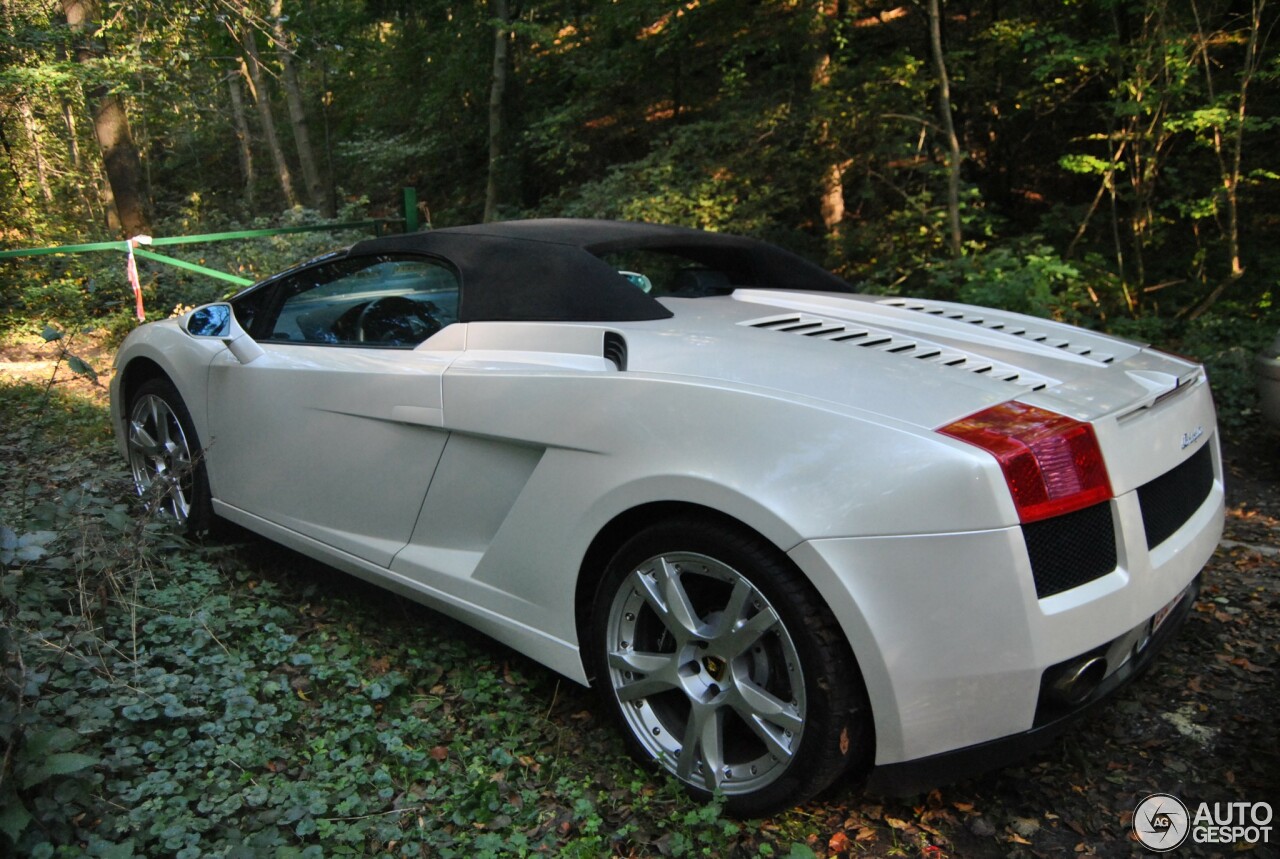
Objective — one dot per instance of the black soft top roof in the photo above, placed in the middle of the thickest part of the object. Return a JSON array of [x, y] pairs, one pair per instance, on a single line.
[[550, 270]]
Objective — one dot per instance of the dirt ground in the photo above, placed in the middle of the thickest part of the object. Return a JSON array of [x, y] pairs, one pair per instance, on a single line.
[[30, 359], [1202, 725]]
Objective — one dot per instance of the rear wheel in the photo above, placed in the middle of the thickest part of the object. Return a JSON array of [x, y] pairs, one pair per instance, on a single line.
[[165, 456], [725, 668]]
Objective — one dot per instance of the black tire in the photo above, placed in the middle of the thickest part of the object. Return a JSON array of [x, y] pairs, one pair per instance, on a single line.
[[166, 458], [725, 668]]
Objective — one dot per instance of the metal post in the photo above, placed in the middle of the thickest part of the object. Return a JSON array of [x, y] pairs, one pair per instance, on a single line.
[[410, 210]]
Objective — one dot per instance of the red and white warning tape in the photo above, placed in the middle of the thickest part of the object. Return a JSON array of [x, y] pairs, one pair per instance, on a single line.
[[131, 270]]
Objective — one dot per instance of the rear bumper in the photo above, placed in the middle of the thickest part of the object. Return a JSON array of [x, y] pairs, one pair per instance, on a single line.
[[1139, 648], [954, 640]]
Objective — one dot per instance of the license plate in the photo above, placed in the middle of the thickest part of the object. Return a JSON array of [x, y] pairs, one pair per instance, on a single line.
[[1163, 614]]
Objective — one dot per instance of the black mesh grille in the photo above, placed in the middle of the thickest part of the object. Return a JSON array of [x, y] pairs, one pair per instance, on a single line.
[[1067, 551], [1168, 501]]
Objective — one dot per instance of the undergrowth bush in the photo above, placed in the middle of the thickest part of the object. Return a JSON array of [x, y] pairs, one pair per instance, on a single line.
[[1023, 277], [1029, 277], [1226, 341]]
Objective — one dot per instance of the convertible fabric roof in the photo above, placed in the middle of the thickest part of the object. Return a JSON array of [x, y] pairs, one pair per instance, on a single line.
[[549, 270]]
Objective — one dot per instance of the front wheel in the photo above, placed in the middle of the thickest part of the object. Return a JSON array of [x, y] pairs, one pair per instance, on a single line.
[[165, 456], [725, 668]]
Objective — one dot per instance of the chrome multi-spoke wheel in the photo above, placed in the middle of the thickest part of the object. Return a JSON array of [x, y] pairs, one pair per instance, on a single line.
[[707, 675], [163, 455], [712, 652]]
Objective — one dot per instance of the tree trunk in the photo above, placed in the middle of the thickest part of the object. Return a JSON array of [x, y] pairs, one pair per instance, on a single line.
[[243, 141], [107, 200], [80, 170], [73, 144], [497, 98], [297, 115], [69, 120], [948, 129], [1231, 175], [33, 135], [831, 202], [111, 128], [252, 67], [13, 164], [1252, 62]]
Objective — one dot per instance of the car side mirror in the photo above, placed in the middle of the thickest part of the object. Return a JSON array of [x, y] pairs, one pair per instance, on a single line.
[[218, 322]]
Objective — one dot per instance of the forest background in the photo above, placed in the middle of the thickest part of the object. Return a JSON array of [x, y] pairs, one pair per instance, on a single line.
[[1112, 163]]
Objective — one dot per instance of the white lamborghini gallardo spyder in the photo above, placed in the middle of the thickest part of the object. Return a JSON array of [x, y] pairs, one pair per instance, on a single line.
[[788, 531]]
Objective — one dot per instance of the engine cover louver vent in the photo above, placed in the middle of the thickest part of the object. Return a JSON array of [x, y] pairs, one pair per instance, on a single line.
[[838, 332], [615, 349], [948, 312]]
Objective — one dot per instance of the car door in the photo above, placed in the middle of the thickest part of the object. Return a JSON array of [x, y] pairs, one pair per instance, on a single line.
[[335, 431]]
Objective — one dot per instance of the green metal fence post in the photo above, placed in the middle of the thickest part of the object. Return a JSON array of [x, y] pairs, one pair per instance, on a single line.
[[410, 210]]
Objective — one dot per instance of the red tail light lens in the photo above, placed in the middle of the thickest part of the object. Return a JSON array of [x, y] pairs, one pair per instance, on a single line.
[[1052, 463]]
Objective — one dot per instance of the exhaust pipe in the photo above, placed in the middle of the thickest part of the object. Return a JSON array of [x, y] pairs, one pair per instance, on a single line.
[[1078, 680]]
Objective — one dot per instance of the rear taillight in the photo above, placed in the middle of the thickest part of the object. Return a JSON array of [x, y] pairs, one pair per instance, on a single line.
[[1052, 463]]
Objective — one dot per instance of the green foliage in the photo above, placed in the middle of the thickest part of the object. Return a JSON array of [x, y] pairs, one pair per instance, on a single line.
[[661, 188], [1102, 130], [1227, 340], [169, 699], [1027, 277]]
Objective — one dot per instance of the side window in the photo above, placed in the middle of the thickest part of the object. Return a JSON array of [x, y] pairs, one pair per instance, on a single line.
[[370, 301]]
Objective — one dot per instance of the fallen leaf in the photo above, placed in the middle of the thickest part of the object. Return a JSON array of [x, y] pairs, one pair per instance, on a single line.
[[439, 753], [839, 843]]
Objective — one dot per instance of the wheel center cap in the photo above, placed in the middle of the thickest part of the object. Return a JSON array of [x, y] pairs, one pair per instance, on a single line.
[[714, 666]]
